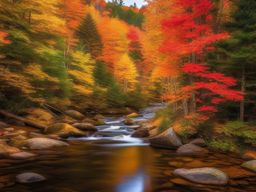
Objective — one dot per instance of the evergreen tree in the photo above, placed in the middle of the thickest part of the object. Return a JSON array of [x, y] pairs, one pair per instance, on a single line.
[[101, 76], [238, 52], [90, 40]]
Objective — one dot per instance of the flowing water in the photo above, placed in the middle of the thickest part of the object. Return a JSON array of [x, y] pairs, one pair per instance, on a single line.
[[113, 161]]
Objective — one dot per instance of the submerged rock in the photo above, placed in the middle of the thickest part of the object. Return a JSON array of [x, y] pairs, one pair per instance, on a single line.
[[166, 139], [75, 114], [199, 141], [64, 130], [44, 143], [29, 177], [210, 176], [251, 165], [85, 126], [191, 149], [22, 155]]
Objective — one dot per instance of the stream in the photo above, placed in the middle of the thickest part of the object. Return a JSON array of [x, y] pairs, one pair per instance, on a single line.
[[113, 161]]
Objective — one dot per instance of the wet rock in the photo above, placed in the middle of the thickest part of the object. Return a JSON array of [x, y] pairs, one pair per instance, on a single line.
[[199, 141], [6, 149], [75, 114], [191, 149], [29, 178], [129, 121], [3, 125], [166, 139], [251, 165], [85, 126], [22, 155], [64, 130], [210, 176], [141, 133], [133, 115], [249, 155], [44, 143], [18, 141]]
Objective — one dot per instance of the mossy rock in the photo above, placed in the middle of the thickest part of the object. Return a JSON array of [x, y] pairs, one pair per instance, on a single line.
[[64, 130]]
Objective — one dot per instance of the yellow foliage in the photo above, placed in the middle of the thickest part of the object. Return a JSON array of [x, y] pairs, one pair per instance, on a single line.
[[81, 71], [35, 71], [125, 70]]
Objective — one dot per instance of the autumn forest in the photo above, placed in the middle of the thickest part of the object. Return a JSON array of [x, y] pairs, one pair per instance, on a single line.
[[152, 97]]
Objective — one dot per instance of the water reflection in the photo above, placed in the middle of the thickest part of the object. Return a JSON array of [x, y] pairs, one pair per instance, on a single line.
[[135, 183]]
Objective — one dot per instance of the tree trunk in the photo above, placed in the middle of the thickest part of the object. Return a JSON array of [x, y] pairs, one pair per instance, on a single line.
[[243, 89]]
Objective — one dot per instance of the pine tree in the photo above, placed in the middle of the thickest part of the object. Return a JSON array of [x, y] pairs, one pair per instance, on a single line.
[[90, 40], [238, 52]]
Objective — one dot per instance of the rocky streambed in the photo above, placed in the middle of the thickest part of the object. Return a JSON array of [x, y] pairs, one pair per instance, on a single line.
[[111, 160]]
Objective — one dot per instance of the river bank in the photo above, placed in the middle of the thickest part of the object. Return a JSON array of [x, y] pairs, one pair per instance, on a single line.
[[111, 160]]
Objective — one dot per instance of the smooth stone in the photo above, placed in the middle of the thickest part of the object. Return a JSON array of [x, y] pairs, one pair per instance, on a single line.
[[133, 115], [29, 178], [251, 165], [75, 114], [22, 155], [191, 149], [166, 139], [199, 141], [209, 176], [85, 126], [64, 130], [44, 143]]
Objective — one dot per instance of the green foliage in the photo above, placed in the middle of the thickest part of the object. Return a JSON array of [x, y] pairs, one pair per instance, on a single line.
[[90, 40], [101, 75], [115, 95], [129, 16], [136, 99], [224, 145]]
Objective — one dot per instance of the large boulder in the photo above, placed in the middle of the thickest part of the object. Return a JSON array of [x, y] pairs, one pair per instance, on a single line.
[[6, 149], [141, 133], [85, 126], [22, 155], [191, 150], [64, 130], [29, 178], [210, 176], [166, 139], [3, 125], [44, 143], [251, 165], [75, 114]]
